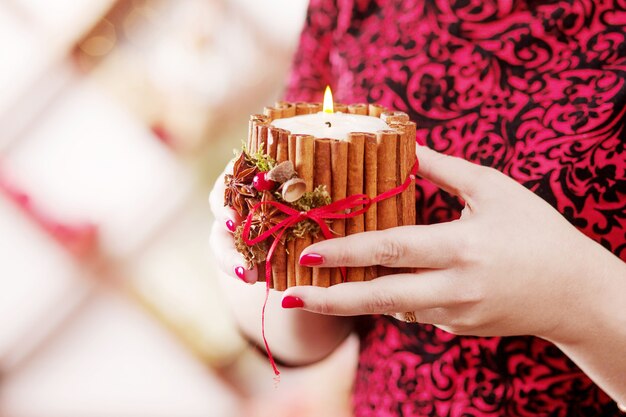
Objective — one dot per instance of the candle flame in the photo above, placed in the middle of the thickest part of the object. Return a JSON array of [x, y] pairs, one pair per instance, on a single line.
[[328, 101]]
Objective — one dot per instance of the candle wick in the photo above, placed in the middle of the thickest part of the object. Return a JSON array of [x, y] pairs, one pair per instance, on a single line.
[[328, 124]]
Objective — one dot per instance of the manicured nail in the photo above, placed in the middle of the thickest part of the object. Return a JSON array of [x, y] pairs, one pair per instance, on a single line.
[[311, 259], [230, 225], [240, 271], [292, 302]]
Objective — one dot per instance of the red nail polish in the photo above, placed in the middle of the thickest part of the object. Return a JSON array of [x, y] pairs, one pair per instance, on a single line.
[[240, 271], [311, 259], [292, 302], [230, 225]]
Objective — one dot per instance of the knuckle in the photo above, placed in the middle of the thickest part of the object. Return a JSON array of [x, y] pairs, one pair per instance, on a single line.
[[325, 307], [466, 293], [389, 252], [380, 302], [466, 248], [486, 179], [344, 257]]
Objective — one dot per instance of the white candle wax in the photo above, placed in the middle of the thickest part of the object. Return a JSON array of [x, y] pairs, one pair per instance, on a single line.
[[330, 125]]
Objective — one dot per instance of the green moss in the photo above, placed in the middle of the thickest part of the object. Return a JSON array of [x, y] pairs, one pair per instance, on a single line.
[[313, 199]]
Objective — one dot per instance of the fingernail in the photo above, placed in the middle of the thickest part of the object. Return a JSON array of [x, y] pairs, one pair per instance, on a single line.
[[292, 302], [230, 225], [311, 259], [240, 271]]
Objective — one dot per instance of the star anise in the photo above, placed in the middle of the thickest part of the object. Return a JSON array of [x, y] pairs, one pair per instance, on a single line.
[[266, 216], [239, 185]]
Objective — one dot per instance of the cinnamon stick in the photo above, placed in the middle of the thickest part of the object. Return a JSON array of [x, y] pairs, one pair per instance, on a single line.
[[322, 177], [340, 108], [291, 244], [394, 117], [292, 148], [409, 216], [376, 110], [291, 263], [251, 126], [256, 121], [339, 169], [401, 169], [356, 150], [387, 144], [279, 260], [370, 189], [316, 107], [261, 131], [288, 109], [261, 273], [406, 159], [307, 108], [387, 215], [273, 113], [304, 167], [360, 108], [282, 149], [273, 135]]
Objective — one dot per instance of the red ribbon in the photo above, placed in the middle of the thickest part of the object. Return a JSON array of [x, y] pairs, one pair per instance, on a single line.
[[341, 209]]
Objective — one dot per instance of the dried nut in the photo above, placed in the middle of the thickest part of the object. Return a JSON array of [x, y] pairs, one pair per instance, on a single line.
[[293, 189], [282, 172]]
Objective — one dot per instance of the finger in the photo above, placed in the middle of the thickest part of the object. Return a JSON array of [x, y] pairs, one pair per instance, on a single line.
[[391, 293], [228, 259], [454, 175], [433, 246]]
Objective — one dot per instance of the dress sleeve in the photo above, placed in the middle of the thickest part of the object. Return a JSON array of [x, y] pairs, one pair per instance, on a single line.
[[310, 71]]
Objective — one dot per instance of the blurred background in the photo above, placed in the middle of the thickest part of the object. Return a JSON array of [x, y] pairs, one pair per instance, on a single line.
[[116, 116]]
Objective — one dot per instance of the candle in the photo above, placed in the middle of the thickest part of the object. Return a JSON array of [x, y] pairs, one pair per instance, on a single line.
[[327, 124], [333, 126]]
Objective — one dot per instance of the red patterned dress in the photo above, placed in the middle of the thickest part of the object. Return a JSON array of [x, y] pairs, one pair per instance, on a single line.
[[534, 88]]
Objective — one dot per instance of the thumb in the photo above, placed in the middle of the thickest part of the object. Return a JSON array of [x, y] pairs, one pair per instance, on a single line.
[[454, 175]]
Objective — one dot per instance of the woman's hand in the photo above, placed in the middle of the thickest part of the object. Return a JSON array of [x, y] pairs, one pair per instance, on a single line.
[[511, 265], [296, 337]]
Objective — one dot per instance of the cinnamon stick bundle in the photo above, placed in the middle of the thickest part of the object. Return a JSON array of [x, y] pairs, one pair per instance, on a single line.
[[364, 163], [356, 151], [339, 169], [322, 176], [305, 147]]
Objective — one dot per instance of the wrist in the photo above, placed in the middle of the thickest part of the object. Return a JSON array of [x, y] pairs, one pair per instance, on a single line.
[[594, 298]]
